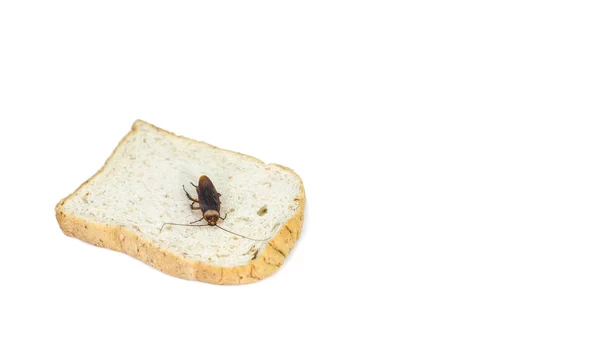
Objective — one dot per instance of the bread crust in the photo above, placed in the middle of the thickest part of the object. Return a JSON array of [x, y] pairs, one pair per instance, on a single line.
[[123, 240]]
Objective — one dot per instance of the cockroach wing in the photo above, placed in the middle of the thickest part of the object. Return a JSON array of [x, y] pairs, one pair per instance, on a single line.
[[207, 195]]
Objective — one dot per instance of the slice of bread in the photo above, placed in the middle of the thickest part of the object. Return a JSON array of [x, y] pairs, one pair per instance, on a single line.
[[123, 206]]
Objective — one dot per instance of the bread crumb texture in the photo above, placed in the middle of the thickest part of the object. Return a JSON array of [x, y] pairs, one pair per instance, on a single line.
[[123, 206]]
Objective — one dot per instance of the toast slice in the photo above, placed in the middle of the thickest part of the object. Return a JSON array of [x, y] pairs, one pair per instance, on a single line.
[[124, 206]]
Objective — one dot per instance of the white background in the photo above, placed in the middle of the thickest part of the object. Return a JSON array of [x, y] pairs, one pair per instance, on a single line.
[[449, 151]]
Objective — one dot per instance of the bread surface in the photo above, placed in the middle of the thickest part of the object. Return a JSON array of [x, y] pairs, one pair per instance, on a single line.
[[139, 188]]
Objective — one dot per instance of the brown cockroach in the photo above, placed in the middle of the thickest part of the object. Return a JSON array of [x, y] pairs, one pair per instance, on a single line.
[[210, 204]]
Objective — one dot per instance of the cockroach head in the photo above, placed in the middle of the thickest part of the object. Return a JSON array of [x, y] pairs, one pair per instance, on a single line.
[[211, 217]]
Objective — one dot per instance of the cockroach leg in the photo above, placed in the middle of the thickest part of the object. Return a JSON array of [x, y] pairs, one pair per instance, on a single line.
[[194, 185], [196, 221], [189, 197], [224, 217], [192, 206]]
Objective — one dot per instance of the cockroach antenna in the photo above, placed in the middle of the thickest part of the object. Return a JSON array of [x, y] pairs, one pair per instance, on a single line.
[[226, 230]]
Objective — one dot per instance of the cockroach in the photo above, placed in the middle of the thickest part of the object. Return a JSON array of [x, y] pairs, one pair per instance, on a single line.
[[210, 204]]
